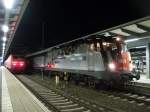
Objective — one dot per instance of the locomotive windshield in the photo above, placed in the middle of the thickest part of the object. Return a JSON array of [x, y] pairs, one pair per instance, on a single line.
[[17, 56], [112, 50], [114, 54]]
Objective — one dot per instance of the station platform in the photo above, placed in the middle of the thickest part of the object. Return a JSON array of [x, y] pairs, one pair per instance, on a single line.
[[143, 79], [15, 97]]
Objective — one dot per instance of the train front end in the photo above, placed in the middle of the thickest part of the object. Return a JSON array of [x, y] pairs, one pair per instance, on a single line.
[[119, 61], [18, 65]]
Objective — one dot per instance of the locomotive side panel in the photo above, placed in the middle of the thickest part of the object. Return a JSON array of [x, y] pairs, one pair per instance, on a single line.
[[80, 59], [38, 62]]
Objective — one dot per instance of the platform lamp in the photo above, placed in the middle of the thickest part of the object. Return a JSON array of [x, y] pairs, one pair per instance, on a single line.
[[4, 39], [8, 3], [5, 28]]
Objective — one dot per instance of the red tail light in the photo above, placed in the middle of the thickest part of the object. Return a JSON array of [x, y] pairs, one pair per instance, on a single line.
[[50, 65], [18, 63], [21, 63], [14, 63]]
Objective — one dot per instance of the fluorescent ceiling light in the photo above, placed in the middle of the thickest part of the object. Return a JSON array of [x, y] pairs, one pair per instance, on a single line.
[[80, 58], [107, 34], [141, 47], [5, 28], [131, 40], [4, 44], [72, 59], [77, 54], [8, 3], [4, 39], [60, 57]]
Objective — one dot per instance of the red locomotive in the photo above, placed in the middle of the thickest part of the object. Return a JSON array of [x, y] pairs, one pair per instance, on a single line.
[[15, 64]]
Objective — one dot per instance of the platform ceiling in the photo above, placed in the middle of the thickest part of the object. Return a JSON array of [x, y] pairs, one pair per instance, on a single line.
[[11, 18]]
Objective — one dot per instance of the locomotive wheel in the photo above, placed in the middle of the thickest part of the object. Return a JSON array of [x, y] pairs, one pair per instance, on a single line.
[[97, 86], [100, 85], [86, 81], [76, 82], [111, 84], [91, 84]]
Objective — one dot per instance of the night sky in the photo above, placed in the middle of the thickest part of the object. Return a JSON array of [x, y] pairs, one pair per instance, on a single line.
[[64, 20]]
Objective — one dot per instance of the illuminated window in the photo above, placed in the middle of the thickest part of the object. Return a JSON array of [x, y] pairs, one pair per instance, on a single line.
[[98, 45], [92, 46], [104, 43]]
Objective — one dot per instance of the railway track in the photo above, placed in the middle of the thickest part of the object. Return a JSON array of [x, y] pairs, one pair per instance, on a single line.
[[59, 101], [137, 94], [132, 95], [140, 100]]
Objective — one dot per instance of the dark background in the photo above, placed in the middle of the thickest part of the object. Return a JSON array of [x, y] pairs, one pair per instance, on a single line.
[[64, 20]]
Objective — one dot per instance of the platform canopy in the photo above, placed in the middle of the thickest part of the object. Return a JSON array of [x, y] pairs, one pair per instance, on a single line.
[[131, 32], [136, 29], [11, 12]]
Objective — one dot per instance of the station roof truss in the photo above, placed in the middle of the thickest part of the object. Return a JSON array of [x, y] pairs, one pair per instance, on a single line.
[[135, 29], [12, 18]]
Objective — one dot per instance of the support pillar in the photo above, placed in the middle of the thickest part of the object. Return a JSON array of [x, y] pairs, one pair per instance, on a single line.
[[148, 60]]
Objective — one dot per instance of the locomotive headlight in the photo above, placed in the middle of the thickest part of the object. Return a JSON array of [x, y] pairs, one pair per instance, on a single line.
[[112, 66], [21, 64], [14, 64], [118, 39]]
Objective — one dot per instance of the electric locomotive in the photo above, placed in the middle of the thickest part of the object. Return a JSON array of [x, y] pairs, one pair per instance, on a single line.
[[98, 60], [15, 63]]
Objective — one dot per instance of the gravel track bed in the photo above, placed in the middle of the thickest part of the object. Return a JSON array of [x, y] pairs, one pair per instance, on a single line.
[[92, 95], [60, 101]]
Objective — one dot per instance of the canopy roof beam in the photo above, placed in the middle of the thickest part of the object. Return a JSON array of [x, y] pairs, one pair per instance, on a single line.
[[143, 27]]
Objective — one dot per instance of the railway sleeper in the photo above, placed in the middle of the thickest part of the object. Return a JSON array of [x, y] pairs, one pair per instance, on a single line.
[[52, 96], [79, 109], [55, 101], [59, 98], [45, 93], [68, 106], [63, 103]]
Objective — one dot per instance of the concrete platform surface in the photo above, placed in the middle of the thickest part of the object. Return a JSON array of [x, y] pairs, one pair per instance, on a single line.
[[16, 97], [143, 79]]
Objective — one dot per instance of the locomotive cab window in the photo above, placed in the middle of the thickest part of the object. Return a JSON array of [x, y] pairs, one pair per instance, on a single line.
[[17, 57]]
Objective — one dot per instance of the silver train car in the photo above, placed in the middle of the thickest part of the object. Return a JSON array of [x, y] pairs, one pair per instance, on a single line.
[[96, 60]]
